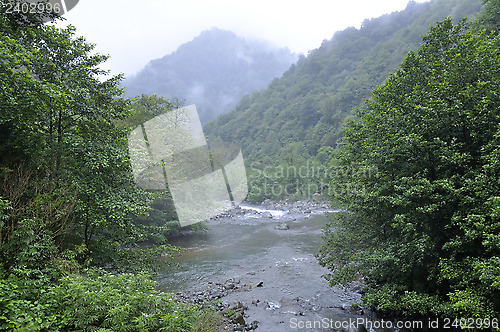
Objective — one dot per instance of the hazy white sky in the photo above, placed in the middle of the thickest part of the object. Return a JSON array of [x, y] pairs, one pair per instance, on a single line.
[[135, 32]]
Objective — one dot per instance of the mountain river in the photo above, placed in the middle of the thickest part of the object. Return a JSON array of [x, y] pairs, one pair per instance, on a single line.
[[265, 258]]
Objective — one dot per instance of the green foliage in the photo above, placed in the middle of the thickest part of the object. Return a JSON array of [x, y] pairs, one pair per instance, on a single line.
[[145, 107], [296, 180], [91, 302], [135, 259], [121, 303], [423, 230], [69, 159], [161, 218]]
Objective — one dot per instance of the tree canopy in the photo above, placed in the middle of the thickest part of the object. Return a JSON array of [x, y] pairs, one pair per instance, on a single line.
[[423, 230]]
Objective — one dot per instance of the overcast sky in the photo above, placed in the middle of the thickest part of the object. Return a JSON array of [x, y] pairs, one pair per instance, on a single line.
[[135, 32]]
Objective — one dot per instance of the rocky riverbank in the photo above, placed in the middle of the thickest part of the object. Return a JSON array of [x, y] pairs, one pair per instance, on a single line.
[[288, 207], [296, 207], [238, 303], [212, 296]]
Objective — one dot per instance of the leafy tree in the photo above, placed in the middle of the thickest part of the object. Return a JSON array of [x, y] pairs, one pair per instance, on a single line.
[[59, 115], [423, 230], [161, 219]]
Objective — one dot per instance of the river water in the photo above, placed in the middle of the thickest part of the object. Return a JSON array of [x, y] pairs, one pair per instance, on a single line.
[[249, 249]]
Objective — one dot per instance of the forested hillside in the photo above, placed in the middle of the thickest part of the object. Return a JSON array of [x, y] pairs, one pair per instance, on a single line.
[[213, 71], [306, 108]]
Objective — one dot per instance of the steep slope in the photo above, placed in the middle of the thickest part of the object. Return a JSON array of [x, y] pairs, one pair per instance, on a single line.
[[307, 107], [213, 71]]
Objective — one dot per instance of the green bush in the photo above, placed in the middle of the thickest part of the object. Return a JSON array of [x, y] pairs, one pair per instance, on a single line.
[[125, 302], [91, 302]]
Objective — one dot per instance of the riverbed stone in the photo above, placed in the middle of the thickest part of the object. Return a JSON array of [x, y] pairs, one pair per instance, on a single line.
[[283, 226], [268, 215], [237, 318], [253, 325]]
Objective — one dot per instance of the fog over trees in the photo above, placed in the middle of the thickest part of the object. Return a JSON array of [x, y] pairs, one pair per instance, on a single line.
[[213, 71]]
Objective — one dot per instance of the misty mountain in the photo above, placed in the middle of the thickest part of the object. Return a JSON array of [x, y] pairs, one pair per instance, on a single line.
[[304, 111], [214, 71]]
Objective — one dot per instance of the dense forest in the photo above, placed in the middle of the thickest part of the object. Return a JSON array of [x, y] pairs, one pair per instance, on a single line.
[[69, 258], [400, 117], [299, 118], [423, 228], [213, 71]]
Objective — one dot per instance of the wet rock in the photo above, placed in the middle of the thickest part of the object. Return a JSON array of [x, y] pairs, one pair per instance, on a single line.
[[236, 305], [253, 325], [266, 215], [273, 305], [283, 226], [240, 212], [357, 310], [258, 284], [248, 287], [237, 318]]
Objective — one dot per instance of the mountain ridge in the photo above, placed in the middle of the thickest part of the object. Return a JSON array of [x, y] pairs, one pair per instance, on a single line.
[[213, 71]]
